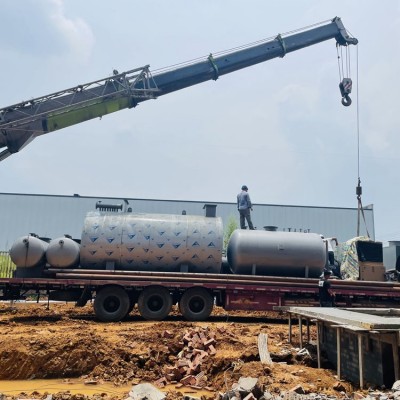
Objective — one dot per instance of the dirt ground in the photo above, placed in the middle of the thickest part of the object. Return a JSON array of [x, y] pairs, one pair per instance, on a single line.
[[68, 342]]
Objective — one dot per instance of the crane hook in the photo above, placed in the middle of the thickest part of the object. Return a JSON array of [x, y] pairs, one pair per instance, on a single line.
[[345, 89], [346, 100]]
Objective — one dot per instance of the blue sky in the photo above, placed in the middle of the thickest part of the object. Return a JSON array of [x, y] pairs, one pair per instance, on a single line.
[[278, 127]]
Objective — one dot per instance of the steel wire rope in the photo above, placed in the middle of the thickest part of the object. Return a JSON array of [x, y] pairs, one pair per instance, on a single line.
[[252, 44], [346, 66], [341, 64], [357, 109], [359, 191], [358, 116], [338, 60], [348, 54], [224, 52]]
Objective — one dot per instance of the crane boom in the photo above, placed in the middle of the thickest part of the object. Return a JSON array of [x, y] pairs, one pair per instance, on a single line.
[[21, 123]]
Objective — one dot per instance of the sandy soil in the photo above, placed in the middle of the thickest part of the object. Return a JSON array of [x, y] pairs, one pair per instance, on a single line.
[[68, 342]]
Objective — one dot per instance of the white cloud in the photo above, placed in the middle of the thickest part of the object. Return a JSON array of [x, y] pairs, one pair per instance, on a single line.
[[76, 31]]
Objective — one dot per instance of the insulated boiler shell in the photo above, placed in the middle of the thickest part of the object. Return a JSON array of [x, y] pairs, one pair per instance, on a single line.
[[28, 251], [152, 242], [63, 252], [291, 254]]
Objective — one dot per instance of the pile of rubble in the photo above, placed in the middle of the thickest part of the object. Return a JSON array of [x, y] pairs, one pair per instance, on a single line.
[[188, 370], [251, 389], [248, 388]]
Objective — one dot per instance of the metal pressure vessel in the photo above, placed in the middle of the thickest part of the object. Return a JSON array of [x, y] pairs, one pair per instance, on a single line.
[[152, 242], [291, 254], [63, 253], [28, 251]]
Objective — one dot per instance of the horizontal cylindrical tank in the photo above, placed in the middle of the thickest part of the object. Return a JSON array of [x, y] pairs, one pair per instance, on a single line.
[[28, 251], [152, 242], [63, 253], [290, 254]]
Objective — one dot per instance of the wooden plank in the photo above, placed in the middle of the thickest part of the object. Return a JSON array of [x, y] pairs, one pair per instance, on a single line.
[[360, 361], [263, 349], [339, 352], [395, 351], [301, 332], [319, 327]]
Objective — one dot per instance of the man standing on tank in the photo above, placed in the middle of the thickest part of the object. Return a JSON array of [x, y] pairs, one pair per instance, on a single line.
[[244, 206], [326, 296]]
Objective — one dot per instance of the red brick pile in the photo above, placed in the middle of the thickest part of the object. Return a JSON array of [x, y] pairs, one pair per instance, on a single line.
[[198, 345]]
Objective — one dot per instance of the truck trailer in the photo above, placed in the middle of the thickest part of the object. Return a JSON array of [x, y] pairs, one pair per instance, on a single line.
[[155, 261]]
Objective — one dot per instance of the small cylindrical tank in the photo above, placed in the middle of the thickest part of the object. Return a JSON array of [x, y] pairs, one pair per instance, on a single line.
[[28, 251], [152, 242], [291, 254], [63, 253]]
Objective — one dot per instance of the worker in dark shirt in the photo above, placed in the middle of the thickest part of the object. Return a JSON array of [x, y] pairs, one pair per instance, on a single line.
[[244, 206], [326, 296]]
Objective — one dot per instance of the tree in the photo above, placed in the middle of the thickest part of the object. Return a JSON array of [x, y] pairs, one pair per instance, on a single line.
[[230, 227], [6, 265]]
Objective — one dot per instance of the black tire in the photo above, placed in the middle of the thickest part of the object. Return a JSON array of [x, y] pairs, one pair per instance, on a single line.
[[111, 304], [155, 303], [196, 304]]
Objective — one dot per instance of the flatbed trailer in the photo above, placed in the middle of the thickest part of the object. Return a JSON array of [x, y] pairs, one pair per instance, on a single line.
[[116, 293]]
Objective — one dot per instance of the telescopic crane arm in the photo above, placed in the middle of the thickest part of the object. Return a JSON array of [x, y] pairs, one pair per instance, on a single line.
[[23, 122]]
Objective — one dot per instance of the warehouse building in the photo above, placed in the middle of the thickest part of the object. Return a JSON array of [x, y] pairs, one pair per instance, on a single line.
[[54, 215]]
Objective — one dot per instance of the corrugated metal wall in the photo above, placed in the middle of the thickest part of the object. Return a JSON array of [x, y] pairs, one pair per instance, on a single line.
[[53, 216]]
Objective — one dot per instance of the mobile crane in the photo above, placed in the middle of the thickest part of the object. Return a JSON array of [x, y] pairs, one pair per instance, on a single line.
[[21, 123]]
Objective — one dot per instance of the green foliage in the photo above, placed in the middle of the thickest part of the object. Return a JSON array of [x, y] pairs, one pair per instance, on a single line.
[[6, 265], [230, 227]]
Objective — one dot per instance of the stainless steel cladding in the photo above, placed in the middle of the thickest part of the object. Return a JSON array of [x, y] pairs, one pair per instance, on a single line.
[[291, 254], [28, 251], [152, 242], [63, 253]]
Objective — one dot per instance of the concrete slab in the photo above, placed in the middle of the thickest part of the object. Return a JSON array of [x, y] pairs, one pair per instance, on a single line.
[[352, 318]]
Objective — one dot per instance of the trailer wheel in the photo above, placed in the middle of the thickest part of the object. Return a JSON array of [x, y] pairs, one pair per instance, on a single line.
[[111, 304], [155, 303], [196, 304]]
